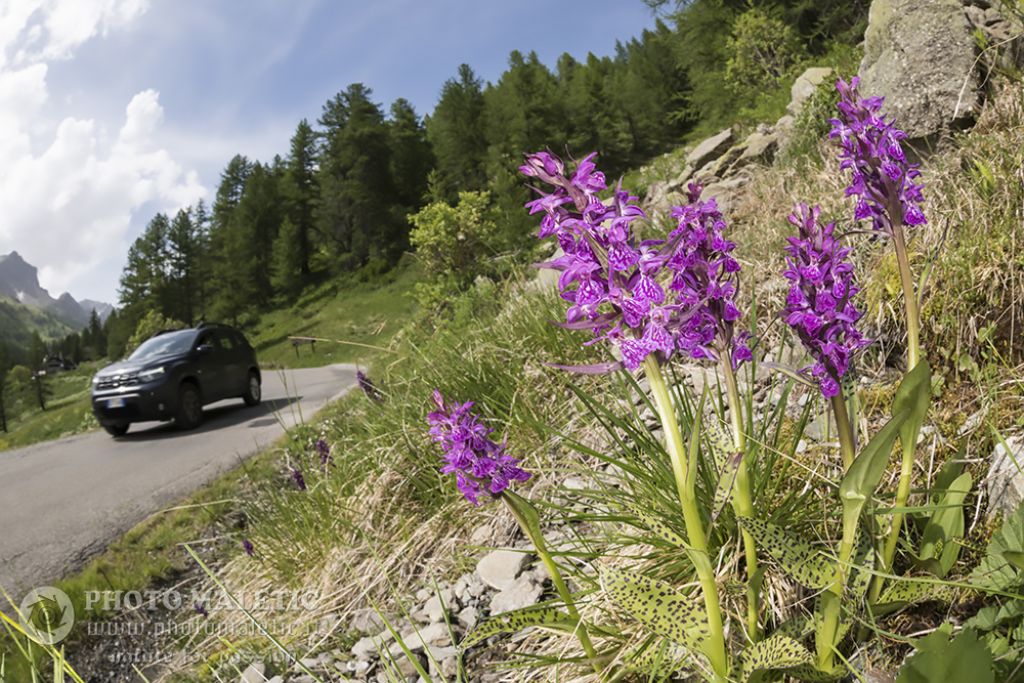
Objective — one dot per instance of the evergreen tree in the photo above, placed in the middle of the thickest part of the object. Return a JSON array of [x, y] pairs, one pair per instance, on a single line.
[[286, 273], [356, 193], [298, 188], [456, 132], [184, 253], [411, 157], [144, 280], [37, 360]]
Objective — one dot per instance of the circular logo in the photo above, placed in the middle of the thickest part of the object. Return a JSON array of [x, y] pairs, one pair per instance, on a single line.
[[47, 615]]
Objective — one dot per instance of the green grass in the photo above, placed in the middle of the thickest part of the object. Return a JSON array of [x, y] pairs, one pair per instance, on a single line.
[[360, 314], [67, 410]]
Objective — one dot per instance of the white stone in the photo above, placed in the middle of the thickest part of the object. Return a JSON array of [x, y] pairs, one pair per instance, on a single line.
[[254, 673], [499, 568], [1005, 480], [524, 592], [709, 149]]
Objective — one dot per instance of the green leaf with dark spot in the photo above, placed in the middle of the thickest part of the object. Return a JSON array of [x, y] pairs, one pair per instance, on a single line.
[[517, 620], [899, 594], [772, 654], [807, 566], [721, 443], [809, 674], [726, 479], [659, 528], [863, 562], [658, 606]]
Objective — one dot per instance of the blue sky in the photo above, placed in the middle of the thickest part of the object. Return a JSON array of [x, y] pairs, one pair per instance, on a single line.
[[154, 98]]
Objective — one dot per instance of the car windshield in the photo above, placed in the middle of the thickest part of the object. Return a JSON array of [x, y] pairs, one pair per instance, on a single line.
[[164, 345]]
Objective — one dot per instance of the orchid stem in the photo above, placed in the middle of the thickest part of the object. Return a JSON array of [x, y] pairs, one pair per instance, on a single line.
[[685, 475], [826, 637], [847, 446], [908, 449], [743, 502], [522, 510]]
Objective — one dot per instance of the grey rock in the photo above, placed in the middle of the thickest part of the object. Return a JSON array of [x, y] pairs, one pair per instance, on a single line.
[[919, 55], [1004, 482], [417, 640], [254, 673], [804, 86], [709, 149], [443, 662], [726, 191], [499, 568], [758, 147], [524, 592], [304, 678], [369, 646], [366, 621], [574, 483], [468, 617], [275, 679], [437, 605]]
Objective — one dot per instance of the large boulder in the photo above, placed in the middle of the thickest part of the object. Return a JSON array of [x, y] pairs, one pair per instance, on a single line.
[[709, 149], [804, 86], [919, 55]]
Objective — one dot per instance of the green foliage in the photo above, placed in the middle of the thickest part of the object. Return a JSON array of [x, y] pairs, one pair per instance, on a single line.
[[150, 324], [996, 571], [454, 245], [763, 50], [659, 606], [807, 566], [964, 659], [940, 546], [773, 654], [286, 267], [861, 480], [517, 620]]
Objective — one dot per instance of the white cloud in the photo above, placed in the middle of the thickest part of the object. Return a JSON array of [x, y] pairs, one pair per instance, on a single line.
[[69, 186]]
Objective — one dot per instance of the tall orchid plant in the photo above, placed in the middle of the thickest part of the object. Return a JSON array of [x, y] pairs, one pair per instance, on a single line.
[[651, 301]]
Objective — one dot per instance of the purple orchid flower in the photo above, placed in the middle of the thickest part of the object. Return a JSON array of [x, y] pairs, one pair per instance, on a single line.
[[881, 178], [819, 306], [481, 466]]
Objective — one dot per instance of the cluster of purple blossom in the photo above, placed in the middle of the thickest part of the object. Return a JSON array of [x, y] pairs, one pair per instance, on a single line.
[[615, 286], [880, 176], [480, 465], [819, 305]]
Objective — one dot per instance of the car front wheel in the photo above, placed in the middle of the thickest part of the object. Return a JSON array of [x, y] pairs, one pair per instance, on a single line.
[[253, 390], [190, 407], [115, 430]]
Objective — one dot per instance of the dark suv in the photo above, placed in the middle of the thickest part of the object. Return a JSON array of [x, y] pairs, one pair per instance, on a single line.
[[173, 374]]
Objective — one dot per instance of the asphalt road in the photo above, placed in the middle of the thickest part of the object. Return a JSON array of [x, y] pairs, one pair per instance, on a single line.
[[63, 501]]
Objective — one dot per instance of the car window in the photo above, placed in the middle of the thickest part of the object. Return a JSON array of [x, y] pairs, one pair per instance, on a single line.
[[226, 341], [164, 344], [240, 339], [208, 338]]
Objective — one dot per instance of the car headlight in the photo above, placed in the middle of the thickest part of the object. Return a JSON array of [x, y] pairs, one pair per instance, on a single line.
[[151, 374], [95, 379]]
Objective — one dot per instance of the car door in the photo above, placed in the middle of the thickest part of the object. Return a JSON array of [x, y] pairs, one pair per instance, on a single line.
[[210, 359], [234, 377]]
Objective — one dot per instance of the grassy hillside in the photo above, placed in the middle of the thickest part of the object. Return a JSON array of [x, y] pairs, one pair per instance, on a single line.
[[359, 314], [18, 322]]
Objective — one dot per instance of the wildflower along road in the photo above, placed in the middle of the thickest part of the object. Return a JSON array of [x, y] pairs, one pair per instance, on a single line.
[[65, 500]]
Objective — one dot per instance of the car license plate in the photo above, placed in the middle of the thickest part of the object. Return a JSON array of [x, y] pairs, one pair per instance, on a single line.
[[115, 403]]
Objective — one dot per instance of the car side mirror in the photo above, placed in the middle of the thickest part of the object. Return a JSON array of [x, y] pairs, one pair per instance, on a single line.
[[204, 348]]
